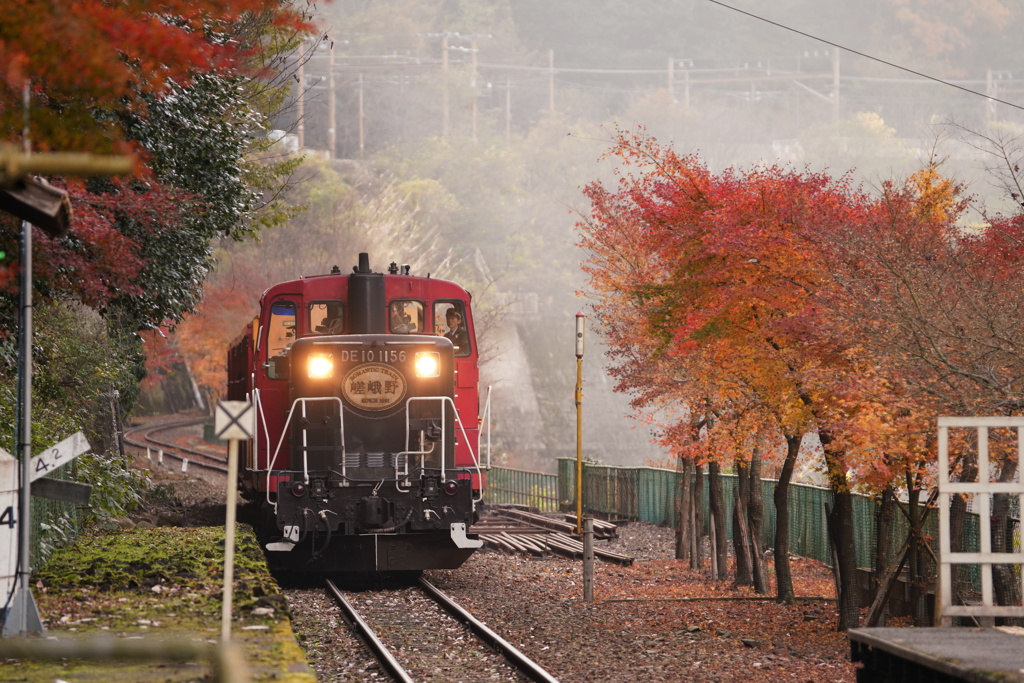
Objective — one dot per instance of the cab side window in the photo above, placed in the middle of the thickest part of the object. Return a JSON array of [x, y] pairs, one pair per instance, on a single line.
[[326, 317], [450, 322], [280, 329], [406, 317]]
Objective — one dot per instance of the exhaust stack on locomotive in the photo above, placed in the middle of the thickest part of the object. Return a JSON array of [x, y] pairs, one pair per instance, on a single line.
[[367, 456]]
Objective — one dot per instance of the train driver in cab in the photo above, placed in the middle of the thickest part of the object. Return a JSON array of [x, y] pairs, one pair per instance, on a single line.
[[456, 330], [401, 321]]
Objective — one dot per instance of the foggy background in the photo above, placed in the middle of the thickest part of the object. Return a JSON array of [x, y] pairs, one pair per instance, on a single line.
[[488, 116]]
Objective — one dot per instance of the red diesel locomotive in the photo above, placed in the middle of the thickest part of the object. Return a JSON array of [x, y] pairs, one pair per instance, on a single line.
[[366, 457]]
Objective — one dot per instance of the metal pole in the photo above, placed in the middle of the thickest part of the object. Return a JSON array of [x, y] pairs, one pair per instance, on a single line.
[[588, 561], [580, 329], [22, 617]]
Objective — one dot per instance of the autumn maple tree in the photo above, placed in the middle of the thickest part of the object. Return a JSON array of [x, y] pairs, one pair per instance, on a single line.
[[774, 302], [185, 87]]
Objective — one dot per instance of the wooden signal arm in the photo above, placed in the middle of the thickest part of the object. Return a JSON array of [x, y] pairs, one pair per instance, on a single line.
[[36, 201]]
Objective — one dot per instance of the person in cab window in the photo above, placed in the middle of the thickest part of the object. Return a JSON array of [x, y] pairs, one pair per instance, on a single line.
[[456, 330], [401, 322]]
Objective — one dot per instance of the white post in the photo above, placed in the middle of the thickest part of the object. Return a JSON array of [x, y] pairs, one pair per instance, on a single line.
[[229, 542], [234, 421]]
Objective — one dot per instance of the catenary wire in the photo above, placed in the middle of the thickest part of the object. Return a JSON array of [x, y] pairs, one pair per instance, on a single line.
[[866, 56]]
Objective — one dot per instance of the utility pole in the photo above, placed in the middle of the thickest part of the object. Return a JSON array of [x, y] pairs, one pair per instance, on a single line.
[[362, 140], [444, 86], [835, 85], [671, 80], [472, 84], [671, 99], [331, 123], [551, 80], [508, 111], [300, 128]]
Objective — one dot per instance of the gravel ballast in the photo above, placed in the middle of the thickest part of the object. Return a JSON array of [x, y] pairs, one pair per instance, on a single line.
[[654, 620]]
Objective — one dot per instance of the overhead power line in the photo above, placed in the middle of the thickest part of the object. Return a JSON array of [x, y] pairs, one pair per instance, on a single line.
[[866, 56]]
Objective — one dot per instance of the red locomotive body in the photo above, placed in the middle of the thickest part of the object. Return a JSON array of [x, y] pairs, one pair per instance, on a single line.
[[366, 454]]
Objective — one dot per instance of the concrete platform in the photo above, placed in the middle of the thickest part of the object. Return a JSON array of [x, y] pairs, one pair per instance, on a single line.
[[979, 655]]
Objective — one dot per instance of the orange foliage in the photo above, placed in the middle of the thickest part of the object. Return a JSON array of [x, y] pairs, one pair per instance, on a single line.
[[772, 301]]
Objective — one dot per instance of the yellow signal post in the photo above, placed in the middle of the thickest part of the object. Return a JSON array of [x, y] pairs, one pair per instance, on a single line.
[[581, 321]]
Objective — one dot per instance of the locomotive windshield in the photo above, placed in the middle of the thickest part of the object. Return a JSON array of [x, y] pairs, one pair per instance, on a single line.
[[326, 317], [406, 317], [280, 327]]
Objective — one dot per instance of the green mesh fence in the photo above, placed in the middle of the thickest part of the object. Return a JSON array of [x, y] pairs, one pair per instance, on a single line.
[[649, 494], [519, 487], [54, 523]]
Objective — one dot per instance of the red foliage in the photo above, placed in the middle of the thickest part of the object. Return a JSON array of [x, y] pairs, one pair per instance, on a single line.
[[96, 261], [115, 50], [772, 299]]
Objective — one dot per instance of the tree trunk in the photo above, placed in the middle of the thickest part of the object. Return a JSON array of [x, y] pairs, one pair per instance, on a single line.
[[1005, 584], [918, 608], [697, 519], [684, 523], [840, 528], [740, 532], [755, 517], [716, 503], [883, 530], [783, 573], [957, 519]]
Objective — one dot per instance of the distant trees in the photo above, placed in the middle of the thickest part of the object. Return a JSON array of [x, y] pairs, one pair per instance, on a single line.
[[388, 219], [774, 302]]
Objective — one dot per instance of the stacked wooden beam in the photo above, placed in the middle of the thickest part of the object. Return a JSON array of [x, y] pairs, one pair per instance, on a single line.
[[526, 532], [602, 529]]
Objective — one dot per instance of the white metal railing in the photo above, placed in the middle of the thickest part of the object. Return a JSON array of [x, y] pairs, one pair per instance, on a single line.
[[982, 490], [305, 454], [485, 419], [445, 401], [403, 457]]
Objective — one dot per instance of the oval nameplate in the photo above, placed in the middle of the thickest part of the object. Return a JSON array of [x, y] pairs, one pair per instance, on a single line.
[[373, 386]]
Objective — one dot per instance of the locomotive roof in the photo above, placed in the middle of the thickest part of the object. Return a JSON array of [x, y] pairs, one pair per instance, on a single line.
[[335, 285]]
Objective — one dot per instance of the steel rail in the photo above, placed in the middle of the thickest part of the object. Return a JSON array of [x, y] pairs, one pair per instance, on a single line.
[[379, 649], [129, 435], [523, 663]]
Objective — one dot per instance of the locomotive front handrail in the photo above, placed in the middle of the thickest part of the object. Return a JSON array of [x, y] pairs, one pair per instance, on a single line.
[[261, 420], [486, 419], [445, 401], [284, 433]]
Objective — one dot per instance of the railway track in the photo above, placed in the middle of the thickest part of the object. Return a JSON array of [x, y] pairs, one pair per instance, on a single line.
[[417, 633], [149, 438]]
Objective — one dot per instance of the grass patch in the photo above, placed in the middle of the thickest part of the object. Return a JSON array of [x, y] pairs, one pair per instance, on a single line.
[[162, 583]]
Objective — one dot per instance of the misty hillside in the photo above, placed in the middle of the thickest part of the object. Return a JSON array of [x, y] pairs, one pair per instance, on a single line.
[[490, 116]]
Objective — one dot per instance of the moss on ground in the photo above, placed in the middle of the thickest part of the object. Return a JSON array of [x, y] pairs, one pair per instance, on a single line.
[[161, 583]]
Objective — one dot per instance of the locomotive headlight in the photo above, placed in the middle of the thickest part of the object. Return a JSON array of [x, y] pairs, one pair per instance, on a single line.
[[428, 364], [451, 487], [320, 366]]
